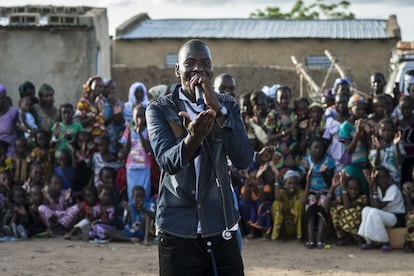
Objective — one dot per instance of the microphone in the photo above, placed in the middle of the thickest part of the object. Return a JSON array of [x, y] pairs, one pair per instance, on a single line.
[[199, 94]]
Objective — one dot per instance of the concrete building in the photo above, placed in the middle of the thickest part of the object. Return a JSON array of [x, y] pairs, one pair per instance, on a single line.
[[61, 46], [362, 46]]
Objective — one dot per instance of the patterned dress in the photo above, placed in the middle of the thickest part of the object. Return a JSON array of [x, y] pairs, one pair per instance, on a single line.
[[86, 110], [285, 155], [408, 191], [106, 221], [348, 220], [287, 216]]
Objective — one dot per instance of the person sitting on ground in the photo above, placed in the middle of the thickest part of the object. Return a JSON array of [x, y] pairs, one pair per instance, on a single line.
[[346, 209], [288, 208], [137, 219], [386, 211]]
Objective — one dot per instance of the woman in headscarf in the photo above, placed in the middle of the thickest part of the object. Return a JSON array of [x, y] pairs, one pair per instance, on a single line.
[[89, 115], [137, 95], [46, 111], [8, 120]]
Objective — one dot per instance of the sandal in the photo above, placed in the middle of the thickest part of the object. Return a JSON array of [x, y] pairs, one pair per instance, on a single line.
[[386, 248], [320, 245], [310, 244], [366, 246]]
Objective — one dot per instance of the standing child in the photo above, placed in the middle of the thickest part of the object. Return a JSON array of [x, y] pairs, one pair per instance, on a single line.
[[20, 166], [43, 153], [137, 219], [103, 216], [280, 126], [406, 126], [27, 123], [353, 137], [332, 124], [138, 163], [388, 151], [64, 169], [56, 213], [319, 168], [81, 151], [346, 209], [301, 107], [121, 177], [65, 130], [103, 158], [35, 177], [5, 162]]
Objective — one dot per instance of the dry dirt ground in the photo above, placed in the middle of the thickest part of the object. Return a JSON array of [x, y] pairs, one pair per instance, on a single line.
[[57, 256]]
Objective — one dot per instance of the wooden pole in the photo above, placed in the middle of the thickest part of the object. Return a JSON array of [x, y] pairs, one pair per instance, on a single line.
[[300, 70]]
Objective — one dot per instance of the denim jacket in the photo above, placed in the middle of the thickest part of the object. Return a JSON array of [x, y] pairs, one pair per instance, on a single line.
[[178, 210]]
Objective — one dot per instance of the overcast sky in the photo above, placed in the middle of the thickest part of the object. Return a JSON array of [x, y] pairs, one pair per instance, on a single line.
[[121, 10]]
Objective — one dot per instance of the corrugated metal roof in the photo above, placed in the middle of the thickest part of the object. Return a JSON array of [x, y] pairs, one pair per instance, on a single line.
[[256, 29]]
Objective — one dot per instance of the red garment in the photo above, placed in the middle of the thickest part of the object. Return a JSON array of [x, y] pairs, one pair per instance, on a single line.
[[121, 180]]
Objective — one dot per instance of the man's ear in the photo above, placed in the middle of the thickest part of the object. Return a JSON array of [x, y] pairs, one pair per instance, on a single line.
[[177, 70]]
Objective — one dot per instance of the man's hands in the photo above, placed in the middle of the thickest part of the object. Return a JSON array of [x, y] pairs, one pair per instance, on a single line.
[[198, 129]]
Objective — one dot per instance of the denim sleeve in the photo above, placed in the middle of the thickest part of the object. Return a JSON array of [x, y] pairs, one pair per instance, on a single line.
[[168, 149], [237, 146]]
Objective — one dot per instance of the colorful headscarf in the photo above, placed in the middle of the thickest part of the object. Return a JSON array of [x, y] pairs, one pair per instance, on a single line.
[[3, 89], [340, 81], [355, 99], [87, 87], [327, 93], [317, 105], [291, 173]]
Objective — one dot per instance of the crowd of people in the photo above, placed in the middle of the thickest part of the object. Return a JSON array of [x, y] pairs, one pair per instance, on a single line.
[[341, 165]]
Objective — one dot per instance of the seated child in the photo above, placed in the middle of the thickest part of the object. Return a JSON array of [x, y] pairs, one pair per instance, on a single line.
[[90, 201], [103, 216], [16, 218], [20, 164], [57, 213], [36, 227], [254, 204], [137, 219], [346, 209], [64, 169]]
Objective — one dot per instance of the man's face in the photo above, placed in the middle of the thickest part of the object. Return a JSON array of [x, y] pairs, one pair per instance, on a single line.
[[193, 59]]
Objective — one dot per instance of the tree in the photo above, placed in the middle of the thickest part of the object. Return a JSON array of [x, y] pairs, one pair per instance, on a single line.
[[317, 10]]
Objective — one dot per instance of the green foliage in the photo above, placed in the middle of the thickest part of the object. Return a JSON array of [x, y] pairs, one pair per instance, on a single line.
[[317, 10]]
